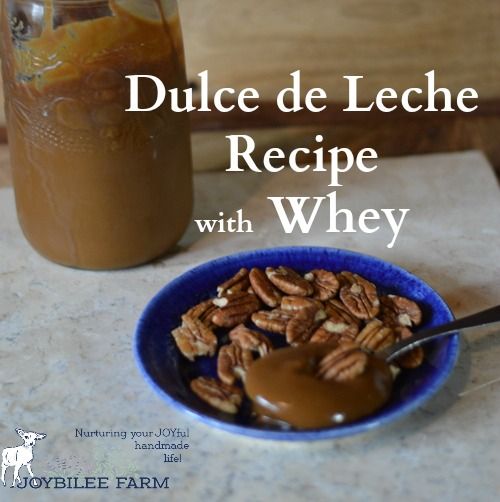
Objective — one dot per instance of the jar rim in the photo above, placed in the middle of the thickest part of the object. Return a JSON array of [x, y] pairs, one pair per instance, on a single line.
[[75, 3], [70, 3]]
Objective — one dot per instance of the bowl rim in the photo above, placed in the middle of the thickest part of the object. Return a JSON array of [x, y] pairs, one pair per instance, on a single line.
[[366, 425]]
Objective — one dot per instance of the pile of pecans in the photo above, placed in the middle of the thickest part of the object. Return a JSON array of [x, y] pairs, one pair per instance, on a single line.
[[318, 307]]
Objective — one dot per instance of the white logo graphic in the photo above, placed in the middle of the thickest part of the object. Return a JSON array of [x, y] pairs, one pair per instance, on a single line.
[[20, 455]]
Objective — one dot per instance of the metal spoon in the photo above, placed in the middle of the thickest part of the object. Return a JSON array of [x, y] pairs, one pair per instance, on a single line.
[[488, 316]]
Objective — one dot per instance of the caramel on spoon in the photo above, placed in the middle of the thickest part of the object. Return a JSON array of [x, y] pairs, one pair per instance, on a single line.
[[284, 385]]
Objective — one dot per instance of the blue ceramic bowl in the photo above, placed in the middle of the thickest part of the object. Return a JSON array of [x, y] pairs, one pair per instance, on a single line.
[[169, 373]]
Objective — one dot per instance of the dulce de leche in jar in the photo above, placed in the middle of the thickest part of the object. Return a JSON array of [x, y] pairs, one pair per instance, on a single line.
[[96, 186]]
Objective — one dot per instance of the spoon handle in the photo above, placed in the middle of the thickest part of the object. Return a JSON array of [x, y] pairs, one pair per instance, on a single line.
[[488, 316]]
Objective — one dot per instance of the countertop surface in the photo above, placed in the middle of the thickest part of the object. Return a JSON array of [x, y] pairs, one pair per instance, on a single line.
[[67, 366]]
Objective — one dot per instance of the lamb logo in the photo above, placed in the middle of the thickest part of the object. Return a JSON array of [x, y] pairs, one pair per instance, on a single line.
[[20, 455]]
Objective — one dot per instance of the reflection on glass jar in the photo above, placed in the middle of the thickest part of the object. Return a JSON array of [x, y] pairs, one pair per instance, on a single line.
[[96, 187]]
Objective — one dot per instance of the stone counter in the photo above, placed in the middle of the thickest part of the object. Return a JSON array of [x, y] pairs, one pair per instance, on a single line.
[[66, 359]]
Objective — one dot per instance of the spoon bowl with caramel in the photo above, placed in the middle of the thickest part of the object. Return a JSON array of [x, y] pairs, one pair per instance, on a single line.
[[320, 384], [278, 343]]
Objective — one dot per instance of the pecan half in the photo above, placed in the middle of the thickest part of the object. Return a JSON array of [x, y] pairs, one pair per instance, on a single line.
[[203, 311], [296, 303], [304, 324], [251, 340], [343, 363], [233, 362], [398, 310], [325, 283], [194, 338], [239, 282], [275, 320], [334, 329], [224, 397], [335, 308], [322, 335], [359, 296], [289, 281], [264, 288], [412, 359], [234, 309], [375, 336]]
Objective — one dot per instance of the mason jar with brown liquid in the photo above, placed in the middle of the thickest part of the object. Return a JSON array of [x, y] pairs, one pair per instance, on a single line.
[[96, 187]]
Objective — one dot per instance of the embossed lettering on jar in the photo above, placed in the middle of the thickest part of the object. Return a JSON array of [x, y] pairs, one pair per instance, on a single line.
[[96, 187]]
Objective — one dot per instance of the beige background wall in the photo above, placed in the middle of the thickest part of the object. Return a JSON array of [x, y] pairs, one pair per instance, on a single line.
[[393, 42]]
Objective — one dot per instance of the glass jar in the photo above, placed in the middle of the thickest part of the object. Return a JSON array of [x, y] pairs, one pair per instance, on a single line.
[[96, 187]]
